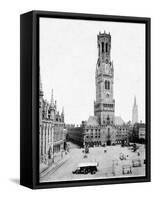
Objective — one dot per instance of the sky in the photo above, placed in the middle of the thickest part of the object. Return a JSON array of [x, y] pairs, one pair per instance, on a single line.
[[68, 56]]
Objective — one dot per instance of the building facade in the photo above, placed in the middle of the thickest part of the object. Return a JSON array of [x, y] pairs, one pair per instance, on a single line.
[[75, 134], [51, 133], [101, 128], [139, 133]]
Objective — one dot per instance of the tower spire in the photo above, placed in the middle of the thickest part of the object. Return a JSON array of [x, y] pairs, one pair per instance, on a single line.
[[62, 114], [55, 105], [41, 88], [135, 112], [63, 110], [52, 100], [40, 84], [134, 100]]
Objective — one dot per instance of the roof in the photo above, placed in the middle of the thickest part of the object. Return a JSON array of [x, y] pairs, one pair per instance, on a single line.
[[87, 164], [119, 120], [92, 121]]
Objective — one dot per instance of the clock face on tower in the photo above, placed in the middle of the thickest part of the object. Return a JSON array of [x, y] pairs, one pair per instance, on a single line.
[[107, 94]]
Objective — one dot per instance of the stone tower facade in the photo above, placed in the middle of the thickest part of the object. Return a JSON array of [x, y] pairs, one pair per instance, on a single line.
[[135, 112], [104, 106]]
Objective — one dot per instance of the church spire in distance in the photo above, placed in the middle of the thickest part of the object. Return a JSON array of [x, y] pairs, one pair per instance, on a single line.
[[135, 112], [134, 100]]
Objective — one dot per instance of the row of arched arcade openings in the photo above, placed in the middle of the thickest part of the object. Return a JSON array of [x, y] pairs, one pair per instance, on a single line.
[[106, 143]]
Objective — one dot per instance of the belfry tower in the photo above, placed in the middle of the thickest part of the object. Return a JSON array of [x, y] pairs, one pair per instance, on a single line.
[[104, 106]]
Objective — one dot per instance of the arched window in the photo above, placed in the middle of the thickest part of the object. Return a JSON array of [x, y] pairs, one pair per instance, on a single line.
[[99, 91], [108, 118], [42, 115], [108, 130], [49, 114], [102, 47], [106, 47], [107, 85]]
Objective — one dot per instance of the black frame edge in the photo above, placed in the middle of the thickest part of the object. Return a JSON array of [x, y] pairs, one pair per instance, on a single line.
[[26, 100], [148, 97], [89, 16]]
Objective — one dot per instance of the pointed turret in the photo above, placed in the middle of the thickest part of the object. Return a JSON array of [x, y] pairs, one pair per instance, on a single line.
[[134, 100], [52, 106], [41, 88], [62, 114], [55, 105], [52, 99], [63, 110]]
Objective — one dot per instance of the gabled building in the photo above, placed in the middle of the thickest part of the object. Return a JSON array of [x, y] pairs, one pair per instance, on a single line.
[[51, 134]]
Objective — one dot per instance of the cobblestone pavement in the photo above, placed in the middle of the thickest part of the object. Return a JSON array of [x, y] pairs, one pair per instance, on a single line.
[[106, 169]]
